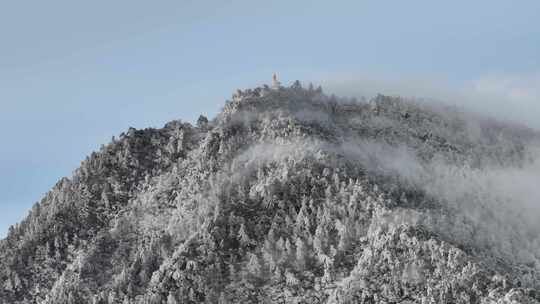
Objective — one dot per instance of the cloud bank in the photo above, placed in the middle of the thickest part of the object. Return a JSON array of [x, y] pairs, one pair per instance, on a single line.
[[512, 98]]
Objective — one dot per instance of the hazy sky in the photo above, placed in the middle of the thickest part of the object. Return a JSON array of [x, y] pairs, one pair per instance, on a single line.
[[74, 73]]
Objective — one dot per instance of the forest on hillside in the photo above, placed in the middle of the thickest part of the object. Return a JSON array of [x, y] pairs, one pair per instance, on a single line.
[[290, 195]]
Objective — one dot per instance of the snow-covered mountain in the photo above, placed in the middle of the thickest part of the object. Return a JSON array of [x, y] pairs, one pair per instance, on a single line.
[[291, 196]]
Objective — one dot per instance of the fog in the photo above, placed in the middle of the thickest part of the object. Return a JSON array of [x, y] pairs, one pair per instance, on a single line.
[[494, 208], [513, 98], [498, 207]]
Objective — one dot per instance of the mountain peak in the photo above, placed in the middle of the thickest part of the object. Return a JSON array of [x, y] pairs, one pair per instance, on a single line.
[[288, 195]]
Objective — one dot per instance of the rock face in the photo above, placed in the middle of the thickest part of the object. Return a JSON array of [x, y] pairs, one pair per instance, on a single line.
[[289, 196]]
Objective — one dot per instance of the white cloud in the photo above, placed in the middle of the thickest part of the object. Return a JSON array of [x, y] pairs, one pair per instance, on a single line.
[[510, 87], [514, 98]]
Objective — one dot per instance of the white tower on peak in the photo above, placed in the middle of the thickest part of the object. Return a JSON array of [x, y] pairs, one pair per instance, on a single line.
[[275, 82]]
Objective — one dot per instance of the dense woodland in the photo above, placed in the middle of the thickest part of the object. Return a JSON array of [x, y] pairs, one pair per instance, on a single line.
[[287, 196]]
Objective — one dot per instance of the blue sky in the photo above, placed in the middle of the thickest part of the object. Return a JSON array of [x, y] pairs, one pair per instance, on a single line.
[[75, 73]]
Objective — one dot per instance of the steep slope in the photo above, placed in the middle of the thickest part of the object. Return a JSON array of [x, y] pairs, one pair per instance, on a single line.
[[287, 196]]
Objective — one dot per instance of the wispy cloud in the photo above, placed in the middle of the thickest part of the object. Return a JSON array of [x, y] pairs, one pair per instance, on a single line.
[[514, 98]]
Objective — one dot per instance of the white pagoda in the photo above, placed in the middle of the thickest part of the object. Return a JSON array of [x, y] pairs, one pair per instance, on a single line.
[[275, 82]]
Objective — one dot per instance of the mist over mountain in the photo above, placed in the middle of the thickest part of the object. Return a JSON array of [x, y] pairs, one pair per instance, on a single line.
[[289, 195]]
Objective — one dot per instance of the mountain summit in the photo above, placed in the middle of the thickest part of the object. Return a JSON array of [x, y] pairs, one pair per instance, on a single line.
[[289, 195]]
